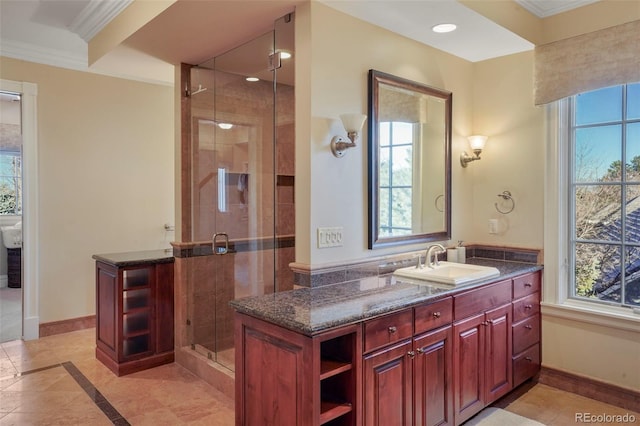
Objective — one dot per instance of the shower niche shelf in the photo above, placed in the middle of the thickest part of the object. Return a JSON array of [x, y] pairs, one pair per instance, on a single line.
[[134, 310]]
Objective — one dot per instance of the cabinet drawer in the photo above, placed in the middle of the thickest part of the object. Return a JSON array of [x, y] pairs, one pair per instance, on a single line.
[[481, 299], [526, 333], [526, 284], [388, 329], [526, 365], [526, 307], [434, 315]]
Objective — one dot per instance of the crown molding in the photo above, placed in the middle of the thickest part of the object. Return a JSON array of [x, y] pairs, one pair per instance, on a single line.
[[63, 59], [41, 55], [95, 16], [545, 8]]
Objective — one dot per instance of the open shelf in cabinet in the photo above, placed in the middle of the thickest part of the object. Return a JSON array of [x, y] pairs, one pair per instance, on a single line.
[[338, 379]]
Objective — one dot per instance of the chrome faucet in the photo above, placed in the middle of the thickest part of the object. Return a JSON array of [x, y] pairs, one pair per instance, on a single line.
[[430, 252]]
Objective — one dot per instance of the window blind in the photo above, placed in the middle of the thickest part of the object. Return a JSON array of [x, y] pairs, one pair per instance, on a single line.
[[603, 58]]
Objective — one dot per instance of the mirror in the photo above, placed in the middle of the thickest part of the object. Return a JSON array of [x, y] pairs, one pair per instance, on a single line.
[[409, 161]]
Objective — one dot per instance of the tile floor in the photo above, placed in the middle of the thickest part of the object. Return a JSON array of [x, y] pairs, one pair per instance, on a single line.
[[57, 380], [10, 313]]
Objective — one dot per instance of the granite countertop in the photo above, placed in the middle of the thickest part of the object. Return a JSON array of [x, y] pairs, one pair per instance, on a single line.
[[136, 257], [312, 310]]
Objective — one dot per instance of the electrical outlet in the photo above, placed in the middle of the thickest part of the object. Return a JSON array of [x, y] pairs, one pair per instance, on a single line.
[[330, 237]]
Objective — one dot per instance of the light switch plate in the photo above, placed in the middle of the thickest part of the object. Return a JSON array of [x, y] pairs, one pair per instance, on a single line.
[[330, 237]]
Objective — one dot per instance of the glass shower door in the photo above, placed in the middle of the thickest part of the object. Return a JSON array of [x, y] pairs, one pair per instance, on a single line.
[[234, 184]]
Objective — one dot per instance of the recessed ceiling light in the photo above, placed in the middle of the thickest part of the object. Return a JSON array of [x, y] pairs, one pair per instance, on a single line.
[[252, 79], [443, 28]]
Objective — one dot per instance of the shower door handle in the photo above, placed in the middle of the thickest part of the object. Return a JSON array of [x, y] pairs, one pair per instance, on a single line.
[[224, 238]]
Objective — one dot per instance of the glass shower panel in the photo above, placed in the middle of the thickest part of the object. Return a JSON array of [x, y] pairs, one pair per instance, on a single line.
[[233, 176]]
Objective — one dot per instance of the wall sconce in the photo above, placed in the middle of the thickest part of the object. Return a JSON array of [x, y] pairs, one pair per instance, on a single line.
[[353, 125], [477, 145]]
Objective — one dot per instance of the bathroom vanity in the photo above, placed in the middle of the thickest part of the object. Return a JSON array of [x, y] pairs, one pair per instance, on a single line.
[[134, 310], [385, 350]]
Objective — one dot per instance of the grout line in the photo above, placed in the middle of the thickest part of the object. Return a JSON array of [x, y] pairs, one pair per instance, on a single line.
[[95, 395]]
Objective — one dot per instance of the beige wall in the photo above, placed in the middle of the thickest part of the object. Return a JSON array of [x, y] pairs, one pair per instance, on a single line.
[[333, 191], [513, 158], [105, 176]]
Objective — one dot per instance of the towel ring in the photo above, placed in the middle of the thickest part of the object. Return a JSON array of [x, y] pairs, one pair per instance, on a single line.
[[506, 195], [439, 203]]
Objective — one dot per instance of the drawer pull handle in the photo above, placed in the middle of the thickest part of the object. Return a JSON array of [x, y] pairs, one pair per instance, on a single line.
[[411, 354], [529, 359], [527, 284], [528, 327], [421, 351], [528, 306], [436, 314], [392, 329]]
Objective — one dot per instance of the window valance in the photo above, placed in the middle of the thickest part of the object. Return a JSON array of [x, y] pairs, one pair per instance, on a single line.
[[587, 62]]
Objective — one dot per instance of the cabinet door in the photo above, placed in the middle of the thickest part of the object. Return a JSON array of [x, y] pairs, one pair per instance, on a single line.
[[432, 375], [388, 386], [270, 377], [498, 353], [468, 367]]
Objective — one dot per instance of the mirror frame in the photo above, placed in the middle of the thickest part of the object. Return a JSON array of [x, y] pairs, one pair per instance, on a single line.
[[375, 79]]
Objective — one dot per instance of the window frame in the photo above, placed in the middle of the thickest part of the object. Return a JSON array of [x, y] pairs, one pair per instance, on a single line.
[[623, 245], [555, 300]]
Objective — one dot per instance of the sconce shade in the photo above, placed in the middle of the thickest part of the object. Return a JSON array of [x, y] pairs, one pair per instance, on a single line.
[[477, 142], [353, 122]]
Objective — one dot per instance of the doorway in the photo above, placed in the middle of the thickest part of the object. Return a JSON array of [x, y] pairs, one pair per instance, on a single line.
[[10, 216]]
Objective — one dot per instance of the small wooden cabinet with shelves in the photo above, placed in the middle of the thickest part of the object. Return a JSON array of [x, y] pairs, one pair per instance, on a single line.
[[134, 310], [286, 378]]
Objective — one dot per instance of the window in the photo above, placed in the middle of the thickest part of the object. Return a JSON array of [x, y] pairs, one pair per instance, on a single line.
[[396, 177], [10, 154], [604, 194]]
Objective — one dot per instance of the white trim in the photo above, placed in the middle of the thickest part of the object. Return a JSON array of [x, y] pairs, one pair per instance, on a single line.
[[556, 302], [590, 313], [64, 59], [41, 55], [95, 16], [544, 9], [30, 248]]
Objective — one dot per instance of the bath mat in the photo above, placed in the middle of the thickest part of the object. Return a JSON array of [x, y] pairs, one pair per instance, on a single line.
[[498, 417]]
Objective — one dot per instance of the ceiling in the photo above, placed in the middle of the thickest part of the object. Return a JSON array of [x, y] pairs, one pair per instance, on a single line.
[[56, 32]]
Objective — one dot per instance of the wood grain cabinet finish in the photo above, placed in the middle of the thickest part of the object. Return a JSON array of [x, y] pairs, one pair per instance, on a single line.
[[437, 363], [408, 382], [526, 327], [134, 316], [482, 349], [286, 378]]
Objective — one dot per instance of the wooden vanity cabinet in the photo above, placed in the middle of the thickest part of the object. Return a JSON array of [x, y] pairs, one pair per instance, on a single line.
[[438, 363], [526, 327], [482, 348], [407, 382], [134, 316]]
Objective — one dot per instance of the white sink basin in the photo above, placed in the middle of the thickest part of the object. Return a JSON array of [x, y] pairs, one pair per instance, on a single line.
[[11, 236], [449, 273]]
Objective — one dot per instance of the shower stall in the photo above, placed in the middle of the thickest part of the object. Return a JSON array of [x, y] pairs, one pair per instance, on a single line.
[[239, 180]]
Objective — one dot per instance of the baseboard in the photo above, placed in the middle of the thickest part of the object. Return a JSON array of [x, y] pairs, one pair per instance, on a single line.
[[590, 388], [4, 281], [65, 326]]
